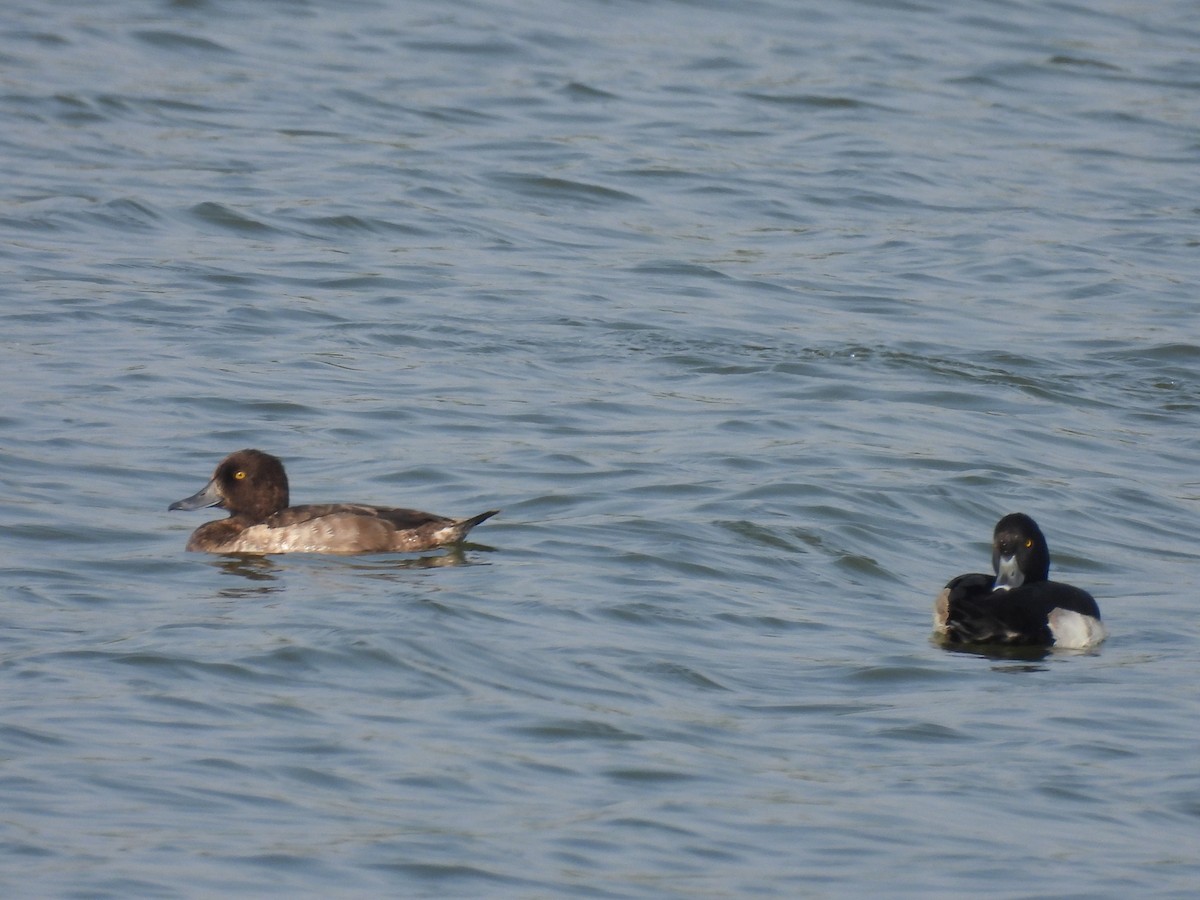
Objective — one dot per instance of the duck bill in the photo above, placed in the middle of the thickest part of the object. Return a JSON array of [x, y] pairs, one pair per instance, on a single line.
[[1008, 574], [205, 497]]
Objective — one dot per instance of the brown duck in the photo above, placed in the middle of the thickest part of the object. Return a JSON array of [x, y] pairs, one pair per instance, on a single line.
[[253, 486]]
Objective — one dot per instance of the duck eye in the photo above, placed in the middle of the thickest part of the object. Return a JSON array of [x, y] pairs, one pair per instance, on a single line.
[[1028, 543], [239, 474]]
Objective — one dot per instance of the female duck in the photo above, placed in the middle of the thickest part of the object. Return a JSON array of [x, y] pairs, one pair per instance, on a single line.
[[1018, 604], [253, 486]]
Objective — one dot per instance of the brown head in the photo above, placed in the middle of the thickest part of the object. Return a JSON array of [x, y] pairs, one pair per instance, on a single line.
[[248, 483]]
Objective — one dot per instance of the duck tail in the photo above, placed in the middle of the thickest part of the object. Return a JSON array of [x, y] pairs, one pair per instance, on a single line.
[[462, 526]]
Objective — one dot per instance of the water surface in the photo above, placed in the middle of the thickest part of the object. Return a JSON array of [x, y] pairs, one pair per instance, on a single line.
[[753, 319]]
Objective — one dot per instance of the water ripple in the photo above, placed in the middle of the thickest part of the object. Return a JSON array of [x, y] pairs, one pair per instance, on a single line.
[[752, 333]]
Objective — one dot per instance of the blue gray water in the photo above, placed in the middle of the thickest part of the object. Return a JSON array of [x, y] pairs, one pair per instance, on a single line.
[[753, 318]]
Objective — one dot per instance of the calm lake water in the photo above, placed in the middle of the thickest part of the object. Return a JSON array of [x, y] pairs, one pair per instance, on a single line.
[[753, 318]]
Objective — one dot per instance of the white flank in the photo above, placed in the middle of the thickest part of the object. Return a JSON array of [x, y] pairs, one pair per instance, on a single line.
[[1075, 631]]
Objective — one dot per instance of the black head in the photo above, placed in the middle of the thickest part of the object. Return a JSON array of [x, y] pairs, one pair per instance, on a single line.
[[1019, 552], [247, 483]]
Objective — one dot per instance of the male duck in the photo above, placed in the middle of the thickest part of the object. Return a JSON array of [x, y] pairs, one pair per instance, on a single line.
[[1018, 604], [253, 486]]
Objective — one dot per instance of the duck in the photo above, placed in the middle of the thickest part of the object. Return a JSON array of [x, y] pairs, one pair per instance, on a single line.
[[1017, 604], [253, 486]]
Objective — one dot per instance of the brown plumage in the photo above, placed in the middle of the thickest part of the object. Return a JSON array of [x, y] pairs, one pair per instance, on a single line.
[[253, 486]]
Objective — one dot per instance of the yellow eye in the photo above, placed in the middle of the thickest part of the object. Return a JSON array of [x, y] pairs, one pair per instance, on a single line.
[[1028, 543], [239, 474]]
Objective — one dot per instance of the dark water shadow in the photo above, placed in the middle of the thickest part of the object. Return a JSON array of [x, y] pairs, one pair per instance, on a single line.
[[1019, 658], [256, 567], [1016, 659], [998, 652]]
